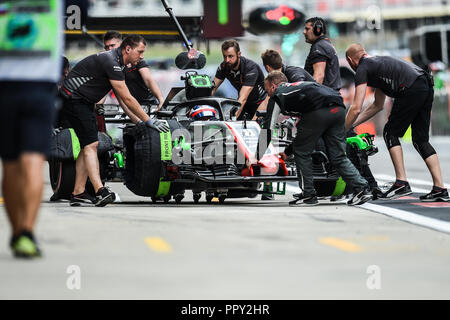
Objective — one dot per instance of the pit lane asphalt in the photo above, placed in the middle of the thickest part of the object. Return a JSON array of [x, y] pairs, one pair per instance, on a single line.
[[243, 249]]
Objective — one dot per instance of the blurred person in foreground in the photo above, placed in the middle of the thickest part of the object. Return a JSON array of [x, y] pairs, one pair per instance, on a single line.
[[30, 68]]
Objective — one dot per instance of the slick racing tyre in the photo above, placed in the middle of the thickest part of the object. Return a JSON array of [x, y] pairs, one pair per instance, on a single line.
[[147, 154], [62, 179]]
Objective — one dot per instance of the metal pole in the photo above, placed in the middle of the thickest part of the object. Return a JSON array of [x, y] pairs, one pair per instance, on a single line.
[[180, 30]]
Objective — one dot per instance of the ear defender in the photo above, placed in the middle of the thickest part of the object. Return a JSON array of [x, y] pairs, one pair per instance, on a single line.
[[318, 28]]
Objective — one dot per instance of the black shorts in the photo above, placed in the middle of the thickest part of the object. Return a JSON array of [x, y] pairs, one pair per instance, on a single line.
[[80, 115], [413, 107], [27, 110]]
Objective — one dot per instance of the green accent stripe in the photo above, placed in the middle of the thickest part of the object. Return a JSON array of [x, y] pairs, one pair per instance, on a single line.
[[75, 144], [163, 188], [340, 187], [166, 154]]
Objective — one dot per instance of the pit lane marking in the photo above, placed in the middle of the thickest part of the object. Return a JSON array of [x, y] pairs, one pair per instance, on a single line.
[[158, 244], [387, 178], [432, 204], [410, 217], [341, 244]]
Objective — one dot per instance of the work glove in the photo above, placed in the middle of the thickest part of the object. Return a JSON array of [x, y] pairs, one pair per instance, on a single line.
[[160, 126]]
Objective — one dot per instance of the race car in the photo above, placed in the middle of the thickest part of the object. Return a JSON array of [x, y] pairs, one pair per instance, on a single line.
[[206, 150]]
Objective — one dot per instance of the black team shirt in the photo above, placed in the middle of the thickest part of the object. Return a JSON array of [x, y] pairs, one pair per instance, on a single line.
[[322, 50], [248, 74], [391, 75], [89, 79], [295, 74]]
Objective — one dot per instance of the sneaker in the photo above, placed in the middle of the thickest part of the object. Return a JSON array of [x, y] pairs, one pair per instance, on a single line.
[[25, 246], [304, 200], [104, 196], [81, 199], [360, 197], [343, 198], [376, 193], [396, 191], [434, 195]]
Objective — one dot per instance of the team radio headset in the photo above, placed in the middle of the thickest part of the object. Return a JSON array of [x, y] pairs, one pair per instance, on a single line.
[[318, 27]]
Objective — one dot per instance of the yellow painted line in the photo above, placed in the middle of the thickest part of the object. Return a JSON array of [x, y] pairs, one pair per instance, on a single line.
[[143, 32], [157, 244], [341, 244]]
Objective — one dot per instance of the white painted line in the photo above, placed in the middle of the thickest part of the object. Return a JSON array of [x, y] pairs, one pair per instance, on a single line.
[[117, 198], [413, 218], [411, 181]]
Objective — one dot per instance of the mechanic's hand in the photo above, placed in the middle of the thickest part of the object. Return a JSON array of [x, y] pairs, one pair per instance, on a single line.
[[160, 126], [283, 156]]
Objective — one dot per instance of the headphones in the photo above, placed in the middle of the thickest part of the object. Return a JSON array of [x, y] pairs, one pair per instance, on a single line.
[[318, 27]]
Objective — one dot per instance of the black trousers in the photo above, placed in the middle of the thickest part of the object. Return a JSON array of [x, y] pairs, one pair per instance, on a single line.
[[328, 123]]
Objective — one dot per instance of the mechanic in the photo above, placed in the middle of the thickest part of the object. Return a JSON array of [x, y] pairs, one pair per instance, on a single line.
[[272, 61], [86, 84], [138, 79], [412, 90], [245, 75], [27, 107], [322, 115], [322, 61]]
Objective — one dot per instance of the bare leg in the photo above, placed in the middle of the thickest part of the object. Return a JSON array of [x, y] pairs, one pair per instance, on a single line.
[[22, 190], [12, 189], [81, 174], [396, 154], [434, 167], [33, 184], [92, 165]]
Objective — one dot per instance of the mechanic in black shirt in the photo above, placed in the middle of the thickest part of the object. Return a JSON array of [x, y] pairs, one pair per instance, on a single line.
[[322, 115], [245, 75], [322, 61], [272, 61], [412, 90], [139, 81], [87, 83]]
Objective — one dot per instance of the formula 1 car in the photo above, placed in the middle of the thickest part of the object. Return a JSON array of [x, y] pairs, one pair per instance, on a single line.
[[206, 149], [215, 156]]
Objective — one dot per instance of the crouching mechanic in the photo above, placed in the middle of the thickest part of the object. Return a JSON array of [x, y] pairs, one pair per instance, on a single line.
[[88, 82], [322, 114], [413, 91]]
